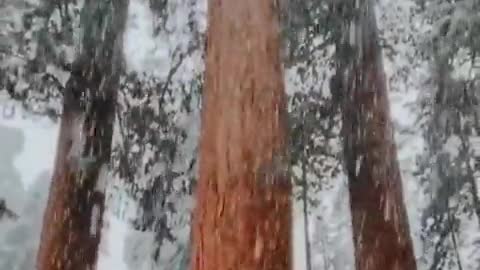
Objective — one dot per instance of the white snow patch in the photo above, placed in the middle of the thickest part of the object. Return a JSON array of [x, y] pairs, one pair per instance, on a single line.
[[143, 52], [94, 219], [103, 178], [452, 145], [299, 258], [112, 244], [40, 141]]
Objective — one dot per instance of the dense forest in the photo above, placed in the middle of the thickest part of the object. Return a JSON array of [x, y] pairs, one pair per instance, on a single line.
[[226, 134]]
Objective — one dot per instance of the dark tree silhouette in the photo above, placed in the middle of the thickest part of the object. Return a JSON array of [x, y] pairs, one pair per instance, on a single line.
[[379, 219]]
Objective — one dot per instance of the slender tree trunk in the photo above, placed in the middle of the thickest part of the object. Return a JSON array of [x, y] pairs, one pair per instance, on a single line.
[[73, 217], [306, 221], [379, 219], [243, 215], [474, 191]]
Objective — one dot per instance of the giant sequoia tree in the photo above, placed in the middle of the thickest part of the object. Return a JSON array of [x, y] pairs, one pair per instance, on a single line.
[[242, 219], [73, 218], [379, 219]]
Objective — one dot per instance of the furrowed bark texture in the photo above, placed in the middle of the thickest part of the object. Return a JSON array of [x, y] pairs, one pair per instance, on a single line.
[[243, 215], [379, 219], [73, 217]]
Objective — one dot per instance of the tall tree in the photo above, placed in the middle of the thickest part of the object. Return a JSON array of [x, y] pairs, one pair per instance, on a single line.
[[379, 220], [73, 218], [450, 118], [243, 214]]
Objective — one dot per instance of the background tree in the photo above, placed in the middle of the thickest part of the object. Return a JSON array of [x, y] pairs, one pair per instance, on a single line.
[[158, 119], [308, 35], [73, 218], [450, 121], [379, 218]]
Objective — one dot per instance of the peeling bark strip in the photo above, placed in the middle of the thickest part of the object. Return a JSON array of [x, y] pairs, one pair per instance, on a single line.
[[73, 217], [243, 215], [379, 219]]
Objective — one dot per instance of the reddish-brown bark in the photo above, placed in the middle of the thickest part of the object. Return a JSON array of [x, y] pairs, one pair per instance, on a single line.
[[73, 217], [66, 242], [380, 225], [243, 216]]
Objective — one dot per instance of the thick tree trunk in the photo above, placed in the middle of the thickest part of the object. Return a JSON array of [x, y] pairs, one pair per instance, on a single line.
[[243, 215], [73, 217], [379, 219]]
